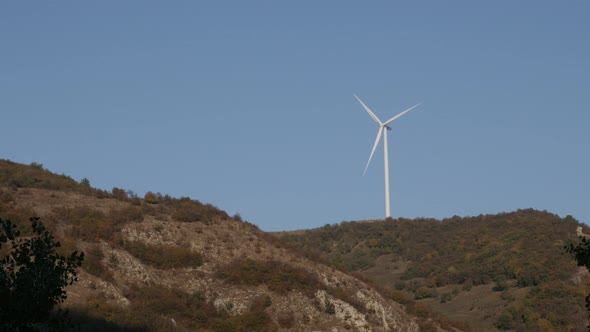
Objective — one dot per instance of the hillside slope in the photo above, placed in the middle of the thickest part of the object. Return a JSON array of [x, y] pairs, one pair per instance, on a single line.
[[507, 271], [161, 263]]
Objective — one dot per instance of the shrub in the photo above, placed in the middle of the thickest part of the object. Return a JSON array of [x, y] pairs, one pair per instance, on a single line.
[[348, 297], [92, 264], [422, 293], [126, 214], [150, 198], [505, 322], [20, 216], [330, 307], [192, 312], [17, 175], [501, 284], [119, 194], [164, 256], [86, 223], [85, 182], [419, 310], [33, 277], [277, 276], [36, 165], [187, 210]]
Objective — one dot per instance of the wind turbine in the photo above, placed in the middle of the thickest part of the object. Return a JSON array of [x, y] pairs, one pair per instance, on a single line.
[[383, 128]]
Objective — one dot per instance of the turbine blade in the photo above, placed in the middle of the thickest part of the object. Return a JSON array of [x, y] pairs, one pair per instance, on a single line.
[[374, 147], [402, 113], [369, 111]]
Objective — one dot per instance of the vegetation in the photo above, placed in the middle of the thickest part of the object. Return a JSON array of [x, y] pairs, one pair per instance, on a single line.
[[15, 175], [18, 176], [164, 256], [519, 250], [277, 276], [92, 264], [282, 278], [32, 279], [187, 210], [150, 198], [424, 264], [154, 307], [84, 223], [581, 252]]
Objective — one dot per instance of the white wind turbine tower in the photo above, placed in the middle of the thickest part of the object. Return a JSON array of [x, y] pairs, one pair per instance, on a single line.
[[383, 128]]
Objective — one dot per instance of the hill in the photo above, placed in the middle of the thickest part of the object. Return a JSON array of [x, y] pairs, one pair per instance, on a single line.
[[159, 263], [507, 271]]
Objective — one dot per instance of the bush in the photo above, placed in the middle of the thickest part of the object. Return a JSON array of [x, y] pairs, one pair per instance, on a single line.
[[90, 224], [422, 293], [150, 198], [192, 312], [119, 194], [33, 277], [126, 214], [17, 175], [501, 284], [330, 307], [85, 182], [419, 310], [187, 210], [347, 296], [86, 223], [505, 322], [37, 165], [164, 256], [277, 276], [92, 264]]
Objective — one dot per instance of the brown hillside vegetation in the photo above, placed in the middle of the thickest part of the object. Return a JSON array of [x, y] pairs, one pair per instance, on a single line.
[[497, 272], [161, 263]]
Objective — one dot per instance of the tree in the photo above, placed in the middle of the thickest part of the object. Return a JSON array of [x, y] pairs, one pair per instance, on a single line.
[[150, 198], [505, 322], [581, 252], [32, 278], [85, 182]]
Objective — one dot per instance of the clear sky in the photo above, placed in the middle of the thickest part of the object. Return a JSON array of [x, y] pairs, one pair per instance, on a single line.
[[249, 105]]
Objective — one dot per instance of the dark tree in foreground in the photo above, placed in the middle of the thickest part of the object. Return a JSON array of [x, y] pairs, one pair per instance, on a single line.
[[32, 279], [581, 252]]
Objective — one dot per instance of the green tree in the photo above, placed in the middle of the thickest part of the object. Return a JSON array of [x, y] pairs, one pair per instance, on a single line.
[[32, 279], [85, 182], [505, 322], [581, 252]]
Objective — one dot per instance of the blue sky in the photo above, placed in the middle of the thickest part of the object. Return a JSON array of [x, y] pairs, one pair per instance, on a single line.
[[249, 104]]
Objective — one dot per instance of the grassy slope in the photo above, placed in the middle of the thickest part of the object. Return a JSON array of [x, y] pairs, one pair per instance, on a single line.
[[206, 242], [486, 267]]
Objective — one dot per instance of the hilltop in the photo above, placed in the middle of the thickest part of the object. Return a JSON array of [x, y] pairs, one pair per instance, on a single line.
[[161, 263], [507, 271]]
